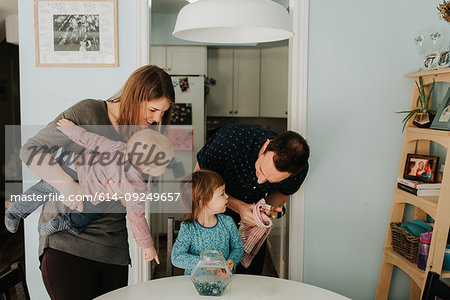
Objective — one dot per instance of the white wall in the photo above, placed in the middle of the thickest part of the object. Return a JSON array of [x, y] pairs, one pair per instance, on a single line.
[[358, 54], [45, 92]]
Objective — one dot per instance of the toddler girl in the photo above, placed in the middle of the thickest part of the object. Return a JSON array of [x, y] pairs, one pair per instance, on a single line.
[[206, 228]]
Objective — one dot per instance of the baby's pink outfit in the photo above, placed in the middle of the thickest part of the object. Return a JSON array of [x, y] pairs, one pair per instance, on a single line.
[[94, 177]]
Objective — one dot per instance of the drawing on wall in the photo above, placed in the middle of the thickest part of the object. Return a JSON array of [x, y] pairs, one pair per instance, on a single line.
[[76, 33]]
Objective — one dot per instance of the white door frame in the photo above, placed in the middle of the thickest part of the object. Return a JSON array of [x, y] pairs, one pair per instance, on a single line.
[[143, 17], [297, 98]]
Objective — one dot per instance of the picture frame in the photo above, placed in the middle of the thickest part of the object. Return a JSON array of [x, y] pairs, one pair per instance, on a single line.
[[444, 59], [430, 61], [442, 119], [421, 167], [76, 33]]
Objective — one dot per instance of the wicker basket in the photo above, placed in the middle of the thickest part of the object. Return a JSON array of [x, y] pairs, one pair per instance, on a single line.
[[404, 243]]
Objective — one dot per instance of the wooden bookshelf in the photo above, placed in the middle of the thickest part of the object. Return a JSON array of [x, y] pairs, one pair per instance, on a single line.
[[417, 140], [428, 73], [410, 268], [427, 204]]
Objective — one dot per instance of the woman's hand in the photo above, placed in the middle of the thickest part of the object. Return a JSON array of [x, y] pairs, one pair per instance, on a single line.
[[72, 196], [65, 126], [150, 254]]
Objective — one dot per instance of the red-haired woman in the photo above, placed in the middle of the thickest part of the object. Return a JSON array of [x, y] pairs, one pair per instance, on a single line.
[[96, 261]]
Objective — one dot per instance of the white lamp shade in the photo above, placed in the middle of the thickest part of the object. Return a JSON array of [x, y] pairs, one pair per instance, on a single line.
[[233, 22]]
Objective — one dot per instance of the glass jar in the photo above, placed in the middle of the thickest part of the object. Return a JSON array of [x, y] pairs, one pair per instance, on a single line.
[[212, 274]]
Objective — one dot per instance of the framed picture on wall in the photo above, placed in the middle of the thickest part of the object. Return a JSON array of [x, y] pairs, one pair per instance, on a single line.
[[442, 119], [76, 33], [430, 61], [444, 60], [420, 167]]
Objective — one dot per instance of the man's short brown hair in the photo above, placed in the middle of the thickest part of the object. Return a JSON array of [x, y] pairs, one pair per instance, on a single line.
[[291, 152]]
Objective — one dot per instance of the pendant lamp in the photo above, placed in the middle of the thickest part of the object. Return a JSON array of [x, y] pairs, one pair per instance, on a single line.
[[233, 22]]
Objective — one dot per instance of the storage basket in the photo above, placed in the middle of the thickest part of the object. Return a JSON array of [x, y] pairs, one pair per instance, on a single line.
[[404, 243]]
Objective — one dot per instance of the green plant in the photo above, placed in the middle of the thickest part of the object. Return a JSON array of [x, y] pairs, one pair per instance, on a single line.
[[422, 103]]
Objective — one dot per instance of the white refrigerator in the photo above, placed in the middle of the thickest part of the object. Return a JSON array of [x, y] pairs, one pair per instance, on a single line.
[[190, 90]]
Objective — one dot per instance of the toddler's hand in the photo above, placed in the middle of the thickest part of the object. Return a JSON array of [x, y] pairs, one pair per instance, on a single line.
[[230, 264], [65, 126], [223, 272], [150, 254]]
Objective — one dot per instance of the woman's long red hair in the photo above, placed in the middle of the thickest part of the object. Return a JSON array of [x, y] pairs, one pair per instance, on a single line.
[[145, 84]]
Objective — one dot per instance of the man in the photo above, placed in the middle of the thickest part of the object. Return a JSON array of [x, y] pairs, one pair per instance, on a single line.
[[255, 163]]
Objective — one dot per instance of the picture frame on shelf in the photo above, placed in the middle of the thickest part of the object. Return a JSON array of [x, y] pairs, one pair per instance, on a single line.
[[430, 61], [444, 59], [421, 167], [76, 33], [442, 119]]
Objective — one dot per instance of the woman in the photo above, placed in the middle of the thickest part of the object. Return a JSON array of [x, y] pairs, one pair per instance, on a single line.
[[98, 258]]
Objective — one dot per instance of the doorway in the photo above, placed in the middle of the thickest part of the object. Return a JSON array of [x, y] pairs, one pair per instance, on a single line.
[[163, 18], [12, 248]]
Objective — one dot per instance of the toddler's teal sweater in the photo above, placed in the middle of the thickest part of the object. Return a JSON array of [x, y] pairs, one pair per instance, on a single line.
[[194, 238]]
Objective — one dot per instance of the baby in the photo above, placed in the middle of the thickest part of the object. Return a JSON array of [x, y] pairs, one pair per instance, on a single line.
[[147, 151]]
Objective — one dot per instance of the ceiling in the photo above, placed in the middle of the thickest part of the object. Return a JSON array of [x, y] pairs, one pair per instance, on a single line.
[[7, 7], [174, 6]]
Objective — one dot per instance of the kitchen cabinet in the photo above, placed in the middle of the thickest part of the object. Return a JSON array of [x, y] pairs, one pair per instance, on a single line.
[[180, 60], [274, 82], [237, 75], [219, 101], [158, 56]]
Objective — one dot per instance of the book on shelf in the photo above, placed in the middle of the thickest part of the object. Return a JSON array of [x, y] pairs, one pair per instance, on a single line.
[[419, 184], [417, 192]]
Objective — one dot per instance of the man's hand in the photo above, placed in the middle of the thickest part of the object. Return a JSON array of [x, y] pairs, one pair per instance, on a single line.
[[65, 126], [246, 213], [272, 212], [72, 196], [150, 254]]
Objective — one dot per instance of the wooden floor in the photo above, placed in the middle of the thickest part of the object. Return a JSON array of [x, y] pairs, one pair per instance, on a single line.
[[160, 270]]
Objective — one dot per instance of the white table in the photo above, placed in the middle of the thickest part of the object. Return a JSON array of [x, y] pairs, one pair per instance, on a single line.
[[241, 287]]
